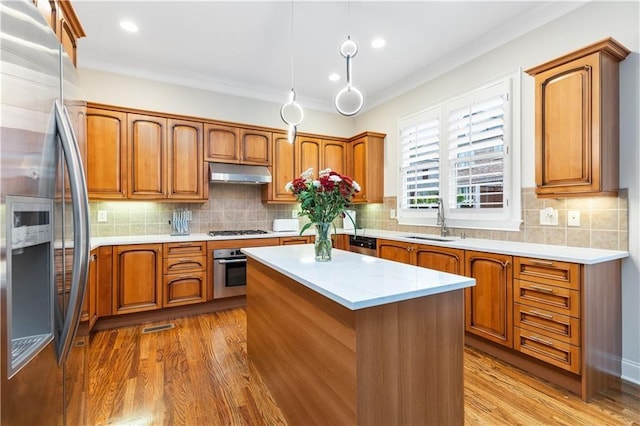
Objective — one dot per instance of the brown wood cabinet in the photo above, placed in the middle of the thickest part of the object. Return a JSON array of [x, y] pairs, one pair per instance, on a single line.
[[365, 165], [106, 154], [255, 147], [187, 178], [90, 306], [489, 304], [290, 160], [438, 258], [321, 154], [230, 144], [147, 152], [222, 143], [185, 273], [547, 311], [104, 285], [296, 240], [65, 24], [397, 251], [577, 119], [137, 278], [131, 155], [283, 170]]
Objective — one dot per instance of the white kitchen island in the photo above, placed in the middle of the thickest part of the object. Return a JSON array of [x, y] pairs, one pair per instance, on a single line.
[[358, 340]]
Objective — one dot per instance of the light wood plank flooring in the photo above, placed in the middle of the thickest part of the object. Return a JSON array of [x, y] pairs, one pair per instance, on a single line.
[[197, 374]]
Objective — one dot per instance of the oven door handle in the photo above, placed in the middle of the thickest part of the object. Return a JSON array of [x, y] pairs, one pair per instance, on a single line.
[[224, 261]]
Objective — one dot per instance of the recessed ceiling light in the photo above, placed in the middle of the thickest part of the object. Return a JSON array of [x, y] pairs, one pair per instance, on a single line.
[[129, 26], [378, 42], [334, 77]]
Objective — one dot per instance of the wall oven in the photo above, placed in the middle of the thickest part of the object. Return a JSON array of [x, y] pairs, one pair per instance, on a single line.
[[229, 273]]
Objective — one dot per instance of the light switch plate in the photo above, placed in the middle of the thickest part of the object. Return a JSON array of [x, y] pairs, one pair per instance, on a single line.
[[573, 218], [548, 216], [102, 215], [294, 214]]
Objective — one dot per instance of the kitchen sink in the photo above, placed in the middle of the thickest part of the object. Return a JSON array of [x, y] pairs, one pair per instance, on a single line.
[[431, 238]]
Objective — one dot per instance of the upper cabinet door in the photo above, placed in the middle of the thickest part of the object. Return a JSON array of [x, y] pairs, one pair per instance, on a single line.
[[309, 149], [106, 154], [186, 160], [334, 156], [147, 156], [577, 114], [366, 166], [255, 147], [222, 143], [282, 171], [359, 168]]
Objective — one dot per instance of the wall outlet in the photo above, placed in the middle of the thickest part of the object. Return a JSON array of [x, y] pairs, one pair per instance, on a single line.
[[294, 214], [573, 218], [392, 213], [548, 216], [102, 215]]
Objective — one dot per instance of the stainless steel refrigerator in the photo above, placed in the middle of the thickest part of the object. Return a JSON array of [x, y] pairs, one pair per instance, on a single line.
[[44, 229]]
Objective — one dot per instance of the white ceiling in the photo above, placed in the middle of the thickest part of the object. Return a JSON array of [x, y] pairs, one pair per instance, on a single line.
[[245, 48]]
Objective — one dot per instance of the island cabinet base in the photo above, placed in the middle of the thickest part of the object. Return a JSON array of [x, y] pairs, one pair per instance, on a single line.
[[396, 363]]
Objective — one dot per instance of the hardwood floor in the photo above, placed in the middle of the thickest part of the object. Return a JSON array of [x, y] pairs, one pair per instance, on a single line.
[[197, 373]]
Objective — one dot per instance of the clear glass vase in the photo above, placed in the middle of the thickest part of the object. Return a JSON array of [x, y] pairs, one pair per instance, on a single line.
[[323, 242]]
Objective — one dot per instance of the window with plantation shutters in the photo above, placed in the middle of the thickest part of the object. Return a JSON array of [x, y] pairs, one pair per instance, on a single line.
[[476, 153], [461, 151], [420, 162]]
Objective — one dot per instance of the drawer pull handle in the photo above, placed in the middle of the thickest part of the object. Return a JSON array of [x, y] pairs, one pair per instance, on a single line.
[[541, 315], [537, 339], [542, 289], [541, 262]]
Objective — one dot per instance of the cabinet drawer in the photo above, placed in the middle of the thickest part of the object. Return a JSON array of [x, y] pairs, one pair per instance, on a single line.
[[556, 299], [551, 324], [184, 289], [185, 249], [561, 274], [549, 350], [178, 265]]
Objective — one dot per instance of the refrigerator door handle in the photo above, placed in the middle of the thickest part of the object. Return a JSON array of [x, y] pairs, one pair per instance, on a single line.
[[80, 211]]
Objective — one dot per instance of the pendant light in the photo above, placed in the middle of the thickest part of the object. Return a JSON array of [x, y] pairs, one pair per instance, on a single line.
[[291, 112], [349, 100]]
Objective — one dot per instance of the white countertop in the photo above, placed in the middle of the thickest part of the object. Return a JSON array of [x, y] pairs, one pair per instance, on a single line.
[[356, 281], [585, 256], [166, 238]]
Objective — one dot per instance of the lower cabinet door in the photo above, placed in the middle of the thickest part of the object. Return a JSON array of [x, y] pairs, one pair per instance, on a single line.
[[137, 278], [489, 304], [184, 289]]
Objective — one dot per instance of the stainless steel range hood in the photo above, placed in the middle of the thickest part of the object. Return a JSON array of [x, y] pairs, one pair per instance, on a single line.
[[238, 173]]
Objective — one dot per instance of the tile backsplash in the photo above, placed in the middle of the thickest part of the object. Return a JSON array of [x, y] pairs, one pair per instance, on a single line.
[[230, 206], [604, 221]]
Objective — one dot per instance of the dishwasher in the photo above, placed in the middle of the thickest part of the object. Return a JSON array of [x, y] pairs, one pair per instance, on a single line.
[[363, 245]]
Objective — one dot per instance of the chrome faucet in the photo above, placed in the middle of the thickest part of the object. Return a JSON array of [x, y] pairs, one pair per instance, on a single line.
[[441, 219]]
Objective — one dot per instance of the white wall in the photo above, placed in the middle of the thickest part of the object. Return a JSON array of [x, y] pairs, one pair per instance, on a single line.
[[590, 23], [120, 90], [585, 25]]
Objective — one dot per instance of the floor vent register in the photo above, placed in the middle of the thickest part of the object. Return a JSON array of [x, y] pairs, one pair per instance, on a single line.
[[156, 328]]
